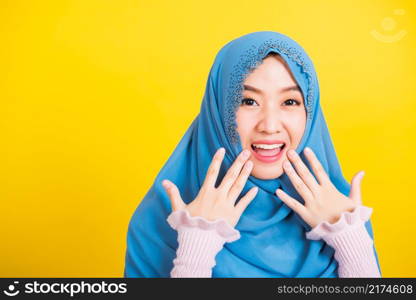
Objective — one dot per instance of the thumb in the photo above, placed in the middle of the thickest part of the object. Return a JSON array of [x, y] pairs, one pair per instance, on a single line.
[[355, 192], [174, 195]]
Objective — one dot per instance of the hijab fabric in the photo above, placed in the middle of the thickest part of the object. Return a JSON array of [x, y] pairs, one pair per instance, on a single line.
[[273, 241]]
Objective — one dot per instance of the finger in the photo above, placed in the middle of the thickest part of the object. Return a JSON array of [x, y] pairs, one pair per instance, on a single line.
[[240, 182], [317, 168], [174, 195], [213, 170], [294, 204], [355, 192], [297, 182], [246, 200], [303, 171], [234, 171]]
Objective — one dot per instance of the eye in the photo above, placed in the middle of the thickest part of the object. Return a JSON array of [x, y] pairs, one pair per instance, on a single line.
[[291, 102], [248, 101]]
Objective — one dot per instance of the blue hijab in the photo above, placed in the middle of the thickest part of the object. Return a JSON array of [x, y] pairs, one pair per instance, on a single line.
[[273, 241]]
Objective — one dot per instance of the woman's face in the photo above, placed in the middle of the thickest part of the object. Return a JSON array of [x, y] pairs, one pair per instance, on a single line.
[[271, 113]]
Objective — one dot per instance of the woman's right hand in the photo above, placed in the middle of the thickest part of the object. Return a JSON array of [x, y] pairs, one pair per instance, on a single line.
[[214, 203]]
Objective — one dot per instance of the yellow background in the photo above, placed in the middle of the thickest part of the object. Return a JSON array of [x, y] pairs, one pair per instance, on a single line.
[[95, 95]]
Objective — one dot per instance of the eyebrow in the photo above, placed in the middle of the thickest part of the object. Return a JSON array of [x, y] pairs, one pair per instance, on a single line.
[[285, 89]]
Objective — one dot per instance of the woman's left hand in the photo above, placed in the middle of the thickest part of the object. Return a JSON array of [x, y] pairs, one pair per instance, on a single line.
[[323, 202]]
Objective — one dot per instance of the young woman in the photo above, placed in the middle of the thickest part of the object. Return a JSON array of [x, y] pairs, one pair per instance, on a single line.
[[254, 187]]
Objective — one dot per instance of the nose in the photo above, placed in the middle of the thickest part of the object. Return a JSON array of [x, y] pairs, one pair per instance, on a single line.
[[270, 121]]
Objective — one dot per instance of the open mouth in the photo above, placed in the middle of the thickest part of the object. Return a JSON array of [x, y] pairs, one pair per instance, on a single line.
[[268, 150]]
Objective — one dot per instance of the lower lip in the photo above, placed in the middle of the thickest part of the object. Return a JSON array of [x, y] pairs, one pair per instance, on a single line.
[[268, 159]]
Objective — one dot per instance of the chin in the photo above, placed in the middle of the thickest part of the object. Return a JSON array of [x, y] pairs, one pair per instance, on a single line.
[[267, 173]]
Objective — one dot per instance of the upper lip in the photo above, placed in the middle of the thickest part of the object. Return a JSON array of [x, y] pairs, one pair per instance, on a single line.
[[269, 142]]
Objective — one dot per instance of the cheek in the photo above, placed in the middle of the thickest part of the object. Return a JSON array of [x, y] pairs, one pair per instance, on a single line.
[[296, 126], [245, 126]]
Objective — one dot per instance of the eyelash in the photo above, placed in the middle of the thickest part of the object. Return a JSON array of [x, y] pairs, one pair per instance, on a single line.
[[243, 101]]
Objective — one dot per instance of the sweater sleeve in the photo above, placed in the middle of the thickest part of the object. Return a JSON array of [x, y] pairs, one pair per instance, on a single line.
[[199, 241], [351, 241]]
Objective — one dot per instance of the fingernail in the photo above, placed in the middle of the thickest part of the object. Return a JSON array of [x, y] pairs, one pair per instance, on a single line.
[[308, 150], [166, 184], [221, 150], [292, 153]]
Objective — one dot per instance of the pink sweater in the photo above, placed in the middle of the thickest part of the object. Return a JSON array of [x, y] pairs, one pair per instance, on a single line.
[[200, 241]]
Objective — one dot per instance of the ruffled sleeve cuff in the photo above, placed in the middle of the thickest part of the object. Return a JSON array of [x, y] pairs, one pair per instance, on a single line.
[[351, 241], [199, 241], [347, 221], [183, 219]]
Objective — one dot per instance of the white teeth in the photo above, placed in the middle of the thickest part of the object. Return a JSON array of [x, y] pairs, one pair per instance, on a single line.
[[264, 146]]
